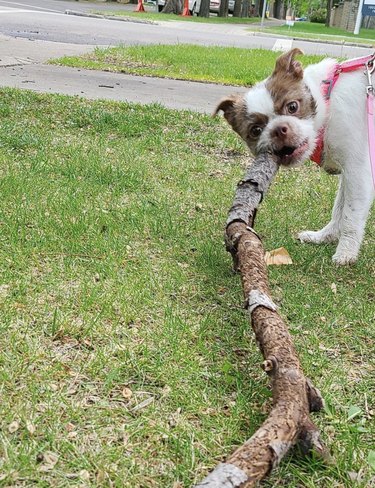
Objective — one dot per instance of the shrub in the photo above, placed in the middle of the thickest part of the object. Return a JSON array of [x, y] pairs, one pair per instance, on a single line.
[[319, 16]]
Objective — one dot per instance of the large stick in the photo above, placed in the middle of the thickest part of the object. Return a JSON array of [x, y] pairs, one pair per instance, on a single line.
[[293, 395]]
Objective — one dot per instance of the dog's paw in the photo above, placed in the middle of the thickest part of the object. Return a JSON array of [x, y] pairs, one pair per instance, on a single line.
[[343, 259], [316, 237]]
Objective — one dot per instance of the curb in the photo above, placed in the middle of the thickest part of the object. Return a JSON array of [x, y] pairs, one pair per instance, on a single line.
[[318, 41], [109, 17]]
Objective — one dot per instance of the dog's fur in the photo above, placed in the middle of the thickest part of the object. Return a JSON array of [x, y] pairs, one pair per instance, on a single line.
[[284, 113]]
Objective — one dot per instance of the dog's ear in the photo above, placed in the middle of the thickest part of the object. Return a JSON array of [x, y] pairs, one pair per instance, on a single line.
[[228, 106], [286, 64]]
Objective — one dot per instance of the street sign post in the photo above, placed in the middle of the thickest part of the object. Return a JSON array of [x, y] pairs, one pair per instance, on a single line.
[[365, 8], [368, 8]]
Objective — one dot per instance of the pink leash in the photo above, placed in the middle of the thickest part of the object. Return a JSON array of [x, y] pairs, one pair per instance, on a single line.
[[370, 67]]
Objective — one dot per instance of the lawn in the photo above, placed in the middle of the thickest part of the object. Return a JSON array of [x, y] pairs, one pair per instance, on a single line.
[[313, 30], [231, 66], [127, 359], [152, 15]]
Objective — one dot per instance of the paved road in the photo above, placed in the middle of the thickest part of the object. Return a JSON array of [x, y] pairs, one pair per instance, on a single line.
[[44, 20], [33, 31]]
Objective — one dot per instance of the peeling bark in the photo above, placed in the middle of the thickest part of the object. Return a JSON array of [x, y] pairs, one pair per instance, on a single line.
[[294, 396]]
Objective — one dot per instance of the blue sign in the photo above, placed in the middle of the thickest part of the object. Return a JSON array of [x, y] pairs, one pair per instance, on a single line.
[[368, 8]]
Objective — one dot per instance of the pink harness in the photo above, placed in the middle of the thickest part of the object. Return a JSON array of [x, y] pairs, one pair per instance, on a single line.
[[367, 62]]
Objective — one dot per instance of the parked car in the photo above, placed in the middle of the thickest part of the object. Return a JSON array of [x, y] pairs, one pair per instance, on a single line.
[[215, 5], [194, 6]]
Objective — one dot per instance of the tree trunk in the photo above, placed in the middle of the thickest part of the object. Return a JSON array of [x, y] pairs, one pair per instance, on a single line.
[[328, 17], [223, 8], [245, 8], [237, 8], [277, 9], [204, 9], [172, 7], [293, 394], [257, 12]]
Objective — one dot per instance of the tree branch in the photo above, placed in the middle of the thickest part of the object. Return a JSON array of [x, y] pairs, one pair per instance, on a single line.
[[294, 396]]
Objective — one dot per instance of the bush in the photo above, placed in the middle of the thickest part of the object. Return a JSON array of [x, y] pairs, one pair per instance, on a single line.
[[319, 16]]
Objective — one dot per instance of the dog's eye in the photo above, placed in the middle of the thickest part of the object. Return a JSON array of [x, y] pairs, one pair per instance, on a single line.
[[256, 130], [292, 107]]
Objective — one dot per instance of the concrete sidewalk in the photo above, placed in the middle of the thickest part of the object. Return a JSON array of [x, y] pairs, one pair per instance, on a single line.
[[18, 51], [21, 66], [175, 94]]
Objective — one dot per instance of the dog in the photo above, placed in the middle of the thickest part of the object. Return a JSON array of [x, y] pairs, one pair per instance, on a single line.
[[288, 114]]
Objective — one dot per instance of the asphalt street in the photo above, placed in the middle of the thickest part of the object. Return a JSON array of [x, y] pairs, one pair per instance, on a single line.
[[33, 31]]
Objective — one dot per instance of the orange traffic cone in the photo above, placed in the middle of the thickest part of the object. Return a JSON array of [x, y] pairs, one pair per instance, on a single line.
[[140, 7], [186, 11]]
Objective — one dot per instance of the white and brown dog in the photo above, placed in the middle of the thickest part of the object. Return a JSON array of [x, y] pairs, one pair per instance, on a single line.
[[287, 113]]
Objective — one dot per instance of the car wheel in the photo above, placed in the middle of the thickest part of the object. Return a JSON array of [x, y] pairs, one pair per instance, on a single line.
[[160, 7]]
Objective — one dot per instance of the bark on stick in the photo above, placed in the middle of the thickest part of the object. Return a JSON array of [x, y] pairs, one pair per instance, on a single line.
[[293, 394]]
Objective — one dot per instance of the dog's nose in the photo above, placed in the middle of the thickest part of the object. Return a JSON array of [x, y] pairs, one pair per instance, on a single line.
[[280, 131]]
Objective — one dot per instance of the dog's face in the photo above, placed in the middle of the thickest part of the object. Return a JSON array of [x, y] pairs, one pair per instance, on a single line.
[[276, 115]]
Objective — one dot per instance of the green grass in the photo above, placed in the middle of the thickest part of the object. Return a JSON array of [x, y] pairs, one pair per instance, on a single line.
[[125, 351], [320, 31], [151, 14], [232, 66]]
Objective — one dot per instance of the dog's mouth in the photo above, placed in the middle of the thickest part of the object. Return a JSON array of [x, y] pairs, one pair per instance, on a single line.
[[291, 153]]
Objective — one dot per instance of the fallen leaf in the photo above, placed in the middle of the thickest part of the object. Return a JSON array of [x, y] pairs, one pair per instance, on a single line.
[[334, 288], [278, 257], [13, 426], [100, 476], [72, 476], [353, 411], [353, 476], [49, 460], [30, 427], [88, 344], [84, 475], [72, 390], [4, 291], [127, 393], [70, 427]]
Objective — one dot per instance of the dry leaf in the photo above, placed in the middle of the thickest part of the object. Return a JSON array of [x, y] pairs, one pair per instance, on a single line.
[[84, 475], [30, 427], [88, 344], [334, 288], [100, 476], [72, 390], [13, 426], [49, 460], [127, 393], [278, 257], [70, 427], [4, 291]]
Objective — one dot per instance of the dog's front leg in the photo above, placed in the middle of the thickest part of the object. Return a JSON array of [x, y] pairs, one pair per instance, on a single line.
[[331, 232], [358, 195]]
